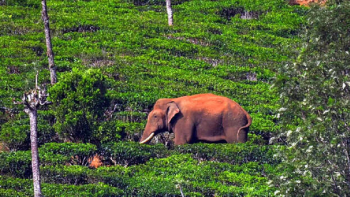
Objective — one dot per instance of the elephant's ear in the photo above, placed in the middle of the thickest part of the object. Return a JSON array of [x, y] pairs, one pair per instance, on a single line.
[[172, 110]]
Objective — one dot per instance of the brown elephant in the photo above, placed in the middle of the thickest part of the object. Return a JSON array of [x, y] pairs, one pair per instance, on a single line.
[[201, 117]]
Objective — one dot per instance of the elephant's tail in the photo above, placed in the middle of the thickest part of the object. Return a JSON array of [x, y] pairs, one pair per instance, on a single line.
[[249, 119]]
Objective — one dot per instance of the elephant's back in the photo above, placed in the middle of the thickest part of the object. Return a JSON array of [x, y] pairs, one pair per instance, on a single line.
[[207, 100], [208, 97], [205, 103], [217, 105]]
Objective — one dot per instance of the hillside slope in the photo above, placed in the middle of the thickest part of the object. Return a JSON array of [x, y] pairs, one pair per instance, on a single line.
[[129, 47]]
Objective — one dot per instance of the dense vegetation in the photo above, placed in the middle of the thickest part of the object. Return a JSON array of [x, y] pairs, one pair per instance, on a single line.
[[114, 60], [315, 107]]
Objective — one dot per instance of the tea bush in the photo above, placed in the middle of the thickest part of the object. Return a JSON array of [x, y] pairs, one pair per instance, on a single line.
[[80, 99], [10, 193], [19, 163], [78, 153], [25, 187], [130, 153], [206, 170], [195, 178], [116, 176], [230, 153], [72, 175], [16, 163], [15, 133], [164, 176]]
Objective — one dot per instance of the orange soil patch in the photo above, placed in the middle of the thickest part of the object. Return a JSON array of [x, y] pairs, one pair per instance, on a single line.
[[96, 162]]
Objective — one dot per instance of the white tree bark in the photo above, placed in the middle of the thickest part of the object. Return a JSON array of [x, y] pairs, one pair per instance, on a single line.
[[170, 12], [31, 101], [34, 149], [49, 53]]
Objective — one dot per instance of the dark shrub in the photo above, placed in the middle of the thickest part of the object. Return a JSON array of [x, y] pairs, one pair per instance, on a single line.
[[80, 100]]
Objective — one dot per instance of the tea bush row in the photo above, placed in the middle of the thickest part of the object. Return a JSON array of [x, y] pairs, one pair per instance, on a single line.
[[24, 187], [15, 133], [130, 153], [165, 176], [19, 163]]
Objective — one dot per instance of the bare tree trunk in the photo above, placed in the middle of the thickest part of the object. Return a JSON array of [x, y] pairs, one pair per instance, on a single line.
[[34, 148], [31, 101], [50, 55], [170, 12]]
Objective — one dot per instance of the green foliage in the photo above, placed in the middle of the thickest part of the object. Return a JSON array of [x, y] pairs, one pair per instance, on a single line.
[[11, 193], [25, 187], [24, 3], [129, 153], [114, 60], [160, 177], [19, 163], [72, 175], [152, 170], [146, 59], [79, 153], [80, 99], [15, 133], [153, 2], [16, 163], [314, 93], [230, 153], [117, 130], [165, 176], [116, 176]]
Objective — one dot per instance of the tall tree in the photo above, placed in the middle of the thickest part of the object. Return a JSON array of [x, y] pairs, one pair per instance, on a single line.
[[31, 101], [315, 113], [170, 12], [50, 54]]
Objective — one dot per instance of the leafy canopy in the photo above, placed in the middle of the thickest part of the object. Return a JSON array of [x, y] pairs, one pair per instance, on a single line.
[[315, 106]]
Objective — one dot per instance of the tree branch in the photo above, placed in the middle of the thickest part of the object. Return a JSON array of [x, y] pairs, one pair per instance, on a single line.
[[45, 103]]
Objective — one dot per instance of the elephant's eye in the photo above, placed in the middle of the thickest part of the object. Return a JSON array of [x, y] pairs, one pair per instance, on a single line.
[[155, 116]]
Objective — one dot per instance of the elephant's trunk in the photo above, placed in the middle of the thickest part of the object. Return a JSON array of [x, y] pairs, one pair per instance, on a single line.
[[147, 139]]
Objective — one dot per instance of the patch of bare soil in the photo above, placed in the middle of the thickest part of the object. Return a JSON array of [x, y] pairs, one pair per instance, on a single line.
[[96, 162]]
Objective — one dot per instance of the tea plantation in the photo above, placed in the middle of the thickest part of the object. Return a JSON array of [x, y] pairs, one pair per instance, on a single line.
[[114, 59]]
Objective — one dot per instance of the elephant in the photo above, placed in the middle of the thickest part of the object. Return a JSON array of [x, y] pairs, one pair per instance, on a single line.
[[198, 118]]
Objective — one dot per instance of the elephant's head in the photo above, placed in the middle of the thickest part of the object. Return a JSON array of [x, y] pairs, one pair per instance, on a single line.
[[159, 119]]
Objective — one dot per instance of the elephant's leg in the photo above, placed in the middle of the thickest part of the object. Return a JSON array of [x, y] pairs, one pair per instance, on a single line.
[[242, 136], [233, 136], [180, 140], [183, 133]]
